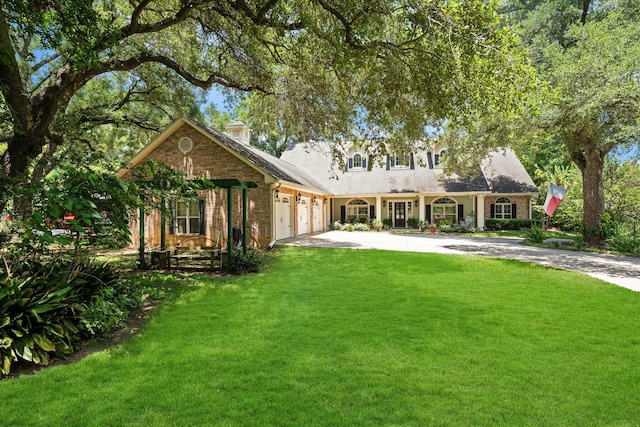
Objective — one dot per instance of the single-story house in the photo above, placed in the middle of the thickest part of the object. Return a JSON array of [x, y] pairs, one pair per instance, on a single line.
[[302, 191]]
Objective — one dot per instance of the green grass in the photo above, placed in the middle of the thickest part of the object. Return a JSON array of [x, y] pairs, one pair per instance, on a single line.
[[351, 337]]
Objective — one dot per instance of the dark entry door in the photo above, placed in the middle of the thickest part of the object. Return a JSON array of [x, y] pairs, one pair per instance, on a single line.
[[400, 215]]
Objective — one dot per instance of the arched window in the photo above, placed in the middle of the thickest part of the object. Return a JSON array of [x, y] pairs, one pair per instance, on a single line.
[[437, 157], [357, 160], [357, 208], [444, 208], [503, 208]]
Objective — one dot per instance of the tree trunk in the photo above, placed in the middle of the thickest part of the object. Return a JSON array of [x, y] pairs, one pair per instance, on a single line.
[[592, 193]]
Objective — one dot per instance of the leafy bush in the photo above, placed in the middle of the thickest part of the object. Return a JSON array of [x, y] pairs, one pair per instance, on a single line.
[[361, 227], [387, 222], [336, 226], [622, 239], [535, 234], [109, 308], [42, 307], [413, 222], [250, 262], [495, 224], [377, 224], [465, 229]]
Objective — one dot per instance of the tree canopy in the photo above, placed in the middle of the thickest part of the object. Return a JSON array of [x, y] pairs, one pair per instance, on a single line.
[[587, 100], [81, 71]]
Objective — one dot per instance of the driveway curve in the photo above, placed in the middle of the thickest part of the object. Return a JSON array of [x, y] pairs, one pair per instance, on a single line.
[[620, 270]]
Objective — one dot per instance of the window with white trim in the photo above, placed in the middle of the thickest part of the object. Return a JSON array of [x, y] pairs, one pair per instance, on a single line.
[[401, 160], [438, 157], [444, 208], [357, 160], [357, 208], [502, 208], [187, 217]]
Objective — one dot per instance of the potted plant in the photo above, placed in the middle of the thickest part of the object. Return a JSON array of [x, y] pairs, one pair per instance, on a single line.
[[432, 228], [377, 225], [387, 223]]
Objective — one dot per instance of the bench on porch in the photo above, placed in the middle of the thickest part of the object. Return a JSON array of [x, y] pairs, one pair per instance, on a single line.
[[185, 252]]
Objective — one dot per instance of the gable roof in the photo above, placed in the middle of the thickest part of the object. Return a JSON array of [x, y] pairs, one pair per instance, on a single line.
[[502, 172], [265, 163], [505, 174]]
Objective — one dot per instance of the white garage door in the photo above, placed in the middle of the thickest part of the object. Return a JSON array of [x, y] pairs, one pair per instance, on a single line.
[[303, 216], [317, 217], [283, 218]]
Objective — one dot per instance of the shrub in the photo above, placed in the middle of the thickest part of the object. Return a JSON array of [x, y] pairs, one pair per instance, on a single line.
[[42, 307], [250, 262], [495, 224], [336, 226], [621, 239], [465, 229], [535, 234], [413, 222], [387, 222], [377, 224], [361, 227]]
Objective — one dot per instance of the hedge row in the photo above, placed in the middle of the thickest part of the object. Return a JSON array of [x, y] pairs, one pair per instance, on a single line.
[[495, 224]]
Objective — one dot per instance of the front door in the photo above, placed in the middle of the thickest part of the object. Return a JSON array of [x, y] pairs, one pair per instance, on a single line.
[[400, 215]]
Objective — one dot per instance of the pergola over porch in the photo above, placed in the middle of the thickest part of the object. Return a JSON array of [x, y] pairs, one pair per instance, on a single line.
[[208, 184]]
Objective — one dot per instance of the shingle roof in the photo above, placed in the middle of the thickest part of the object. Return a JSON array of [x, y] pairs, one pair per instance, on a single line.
[[272, 165], [502, 172], [505, 174]]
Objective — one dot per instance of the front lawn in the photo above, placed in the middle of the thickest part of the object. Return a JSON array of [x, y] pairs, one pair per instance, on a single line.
[[354, 337]]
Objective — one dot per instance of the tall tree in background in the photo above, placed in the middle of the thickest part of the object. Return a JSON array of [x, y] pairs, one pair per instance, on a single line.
[[588, 54], [323, 65]]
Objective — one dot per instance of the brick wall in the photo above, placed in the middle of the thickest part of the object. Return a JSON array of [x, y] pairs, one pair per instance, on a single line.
[[522, 205], [209, 160]]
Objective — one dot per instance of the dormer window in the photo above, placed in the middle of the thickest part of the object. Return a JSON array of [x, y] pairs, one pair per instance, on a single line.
[[437, 157], [357, 160], [400, 161]]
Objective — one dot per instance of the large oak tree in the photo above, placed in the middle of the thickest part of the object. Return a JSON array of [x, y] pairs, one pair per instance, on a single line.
[[325, 66], [587, 53]]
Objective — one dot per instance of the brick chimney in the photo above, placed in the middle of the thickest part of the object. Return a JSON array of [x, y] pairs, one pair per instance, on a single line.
[[239, 132]]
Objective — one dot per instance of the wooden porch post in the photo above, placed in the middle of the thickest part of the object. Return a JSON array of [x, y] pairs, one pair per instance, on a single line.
[[244, 220]]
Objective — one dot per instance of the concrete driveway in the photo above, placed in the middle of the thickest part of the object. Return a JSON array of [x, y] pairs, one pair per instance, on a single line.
[[620, 270]]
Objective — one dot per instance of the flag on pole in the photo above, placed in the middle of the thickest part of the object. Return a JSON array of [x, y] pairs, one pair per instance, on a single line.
[[554, 197]]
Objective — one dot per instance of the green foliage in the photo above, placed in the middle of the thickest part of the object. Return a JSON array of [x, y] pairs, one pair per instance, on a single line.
[[569, 214], [535, 233], [387, 222], [109, 308], [494, 224], [619, 236], [250, 262], [42, 306], [361, 226], [413, 222], [377, 224]]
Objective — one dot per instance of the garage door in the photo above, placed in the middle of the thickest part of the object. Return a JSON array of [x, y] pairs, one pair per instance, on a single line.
[[317, 217], [303, 216], [283, 218]]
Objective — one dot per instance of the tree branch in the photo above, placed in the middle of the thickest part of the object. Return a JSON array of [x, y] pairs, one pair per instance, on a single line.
[[214, 78]]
